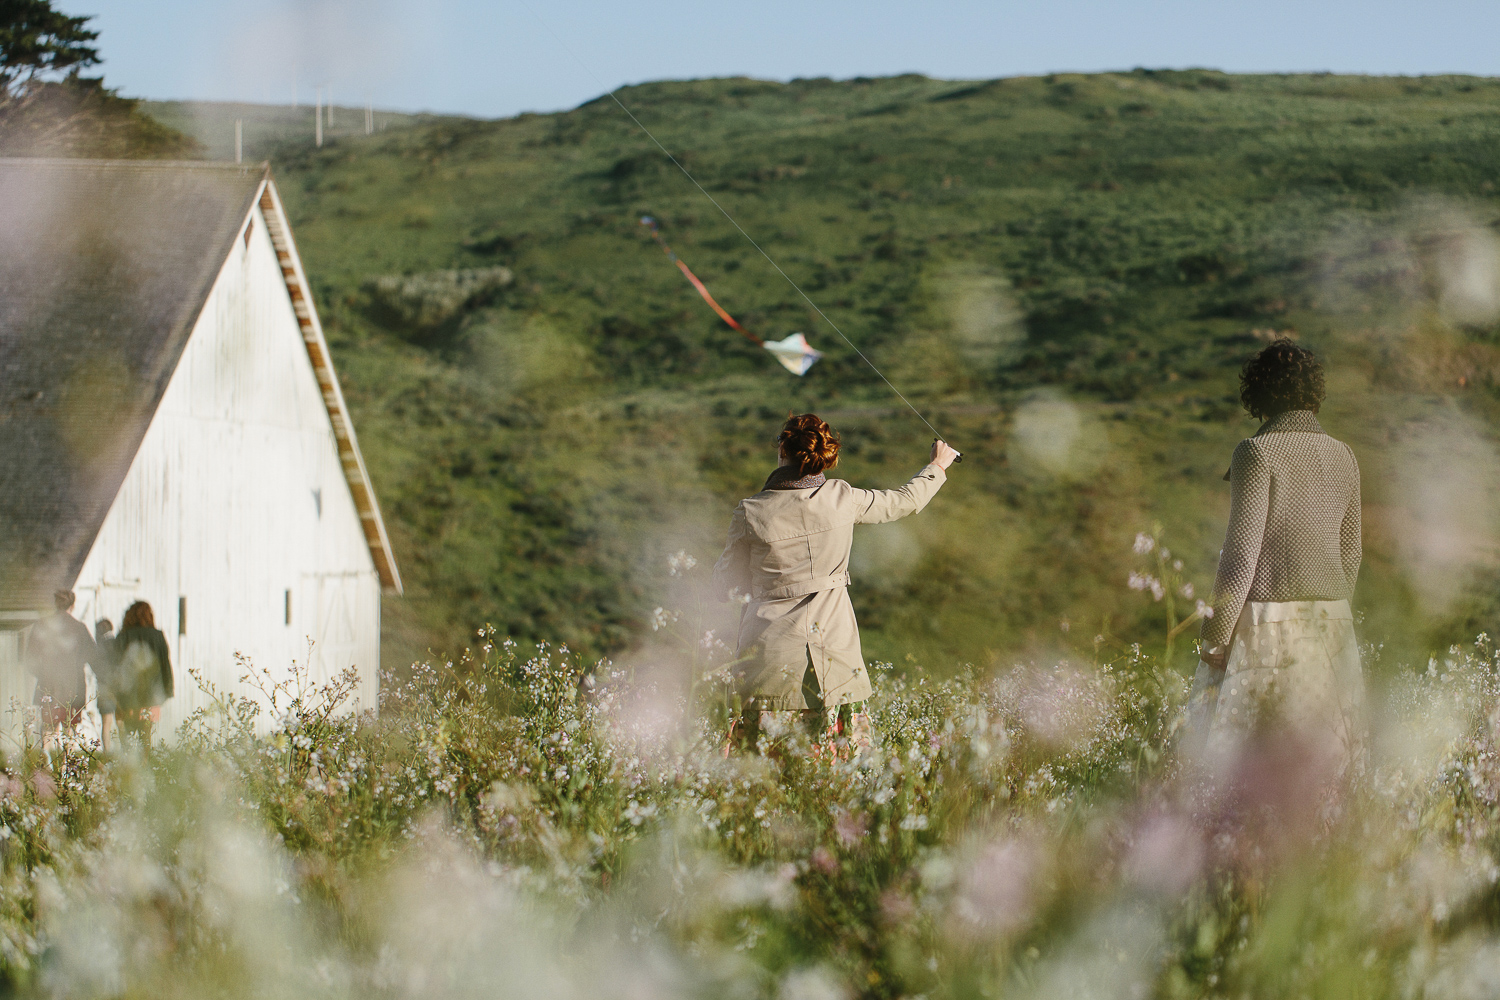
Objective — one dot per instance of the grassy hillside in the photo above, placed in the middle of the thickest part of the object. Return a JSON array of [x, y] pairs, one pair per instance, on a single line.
[[1065, 273]]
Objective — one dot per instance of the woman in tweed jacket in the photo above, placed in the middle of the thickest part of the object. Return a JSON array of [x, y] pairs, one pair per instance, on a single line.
[[1280, 648]]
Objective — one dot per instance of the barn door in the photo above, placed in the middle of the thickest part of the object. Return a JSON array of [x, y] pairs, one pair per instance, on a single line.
[[335, 626], [15, 690]]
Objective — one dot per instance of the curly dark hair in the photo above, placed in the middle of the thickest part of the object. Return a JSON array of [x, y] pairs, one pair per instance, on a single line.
[[1280, 378], [809, 444], [139, 615]]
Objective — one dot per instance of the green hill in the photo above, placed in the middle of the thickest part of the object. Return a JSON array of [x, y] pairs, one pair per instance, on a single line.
[[1065, 273]]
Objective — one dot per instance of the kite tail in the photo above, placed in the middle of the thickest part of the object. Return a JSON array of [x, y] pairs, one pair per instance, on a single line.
[[650, 224], [716, 307]]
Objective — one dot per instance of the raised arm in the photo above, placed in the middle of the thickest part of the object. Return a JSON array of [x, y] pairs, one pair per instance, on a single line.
[[1351, 546], [1250, 500], [732, 571], [879, 506]]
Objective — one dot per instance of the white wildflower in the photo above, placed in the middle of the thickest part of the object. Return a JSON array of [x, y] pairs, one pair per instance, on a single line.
[[680, 562], [1145, 581], [1204, 610], [637, 813], [1187, 590], [1143, 543]]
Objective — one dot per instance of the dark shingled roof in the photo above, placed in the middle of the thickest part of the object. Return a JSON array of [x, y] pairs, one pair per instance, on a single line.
[[104, 267]]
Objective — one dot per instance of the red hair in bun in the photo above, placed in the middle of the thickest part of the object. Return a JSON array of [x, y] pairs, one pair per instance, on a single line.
[[809, 444]]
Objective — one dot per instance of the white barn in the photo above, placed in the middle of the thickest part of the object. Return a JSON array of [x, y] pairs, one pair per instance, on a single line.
[[173, 430]]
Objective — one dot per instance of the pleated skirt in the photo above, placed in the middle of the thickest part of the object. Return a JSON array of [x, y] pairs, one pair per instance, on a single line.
[[1293, 666]]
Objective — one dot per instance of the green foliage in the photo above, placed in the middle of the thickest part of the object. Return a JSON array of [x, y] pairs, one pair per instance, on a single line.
[[427, 303]]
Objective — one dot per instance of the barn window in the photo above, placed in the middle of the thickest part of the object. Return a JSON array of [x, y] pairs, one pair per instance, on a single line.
[[182, 616], [288, 607]]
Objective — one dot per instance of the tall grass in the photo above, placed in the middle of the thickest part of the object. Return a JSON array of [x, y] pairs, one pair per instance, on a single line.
[[528, 827]]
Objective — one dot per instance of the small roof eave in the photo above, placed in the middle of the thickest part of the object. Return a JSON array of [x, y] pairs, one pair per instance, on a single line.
[[350, 458]]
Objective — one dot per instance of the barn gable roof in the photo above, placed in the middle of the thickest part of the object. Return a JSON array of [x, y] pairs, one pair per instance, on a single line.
[[104, 269]]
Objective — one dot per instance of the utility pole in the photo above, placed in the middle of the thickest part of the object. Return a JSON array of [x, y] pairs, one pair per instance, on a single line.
[[369, 115], [318, 120], [239, 140]]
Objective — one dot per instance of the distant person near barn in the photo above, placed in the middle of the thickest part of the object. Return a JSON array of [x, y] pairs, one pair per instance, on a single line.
[[104, 677], [142, 673], [57, 652]]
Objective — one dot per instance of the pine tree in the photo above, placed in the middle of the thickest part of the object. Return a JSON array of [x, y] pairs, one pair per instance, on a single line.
[[48, 108], [37, 43]]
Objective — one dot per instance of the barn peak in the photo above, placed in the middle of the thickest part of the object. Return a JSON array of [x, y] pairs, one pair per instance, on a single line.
[[105, 268]]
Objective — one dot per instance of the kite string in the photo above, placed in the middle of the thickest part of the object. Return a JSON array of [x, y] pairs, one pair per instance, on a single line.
[[725, 212]]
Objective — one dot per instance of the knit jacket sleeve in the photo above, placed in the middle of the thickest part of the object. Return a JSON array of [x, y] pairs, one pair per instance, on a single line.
[[1249, 506], [1351, 546]]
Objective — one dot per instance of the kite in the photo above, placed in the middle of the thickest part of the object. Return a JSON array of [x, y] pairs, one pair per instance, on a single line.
[[794, 352]]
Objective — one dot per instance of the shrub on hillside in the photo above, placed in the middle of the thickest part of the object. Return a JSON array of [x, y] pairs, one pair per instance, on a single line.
[[421, 303]]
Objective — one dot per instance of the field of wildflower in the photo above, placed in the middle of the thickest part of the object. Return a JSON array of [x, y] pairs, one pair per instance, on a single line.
[[539, 826]]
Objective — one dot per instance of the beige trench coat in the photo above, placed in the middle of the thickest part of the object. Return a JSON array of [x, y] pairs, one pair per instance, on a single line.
[[789, 551]]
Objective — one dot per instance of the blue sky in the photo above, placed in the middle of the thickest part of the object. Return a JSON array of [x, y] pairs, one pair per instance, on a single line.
[[494, 57]]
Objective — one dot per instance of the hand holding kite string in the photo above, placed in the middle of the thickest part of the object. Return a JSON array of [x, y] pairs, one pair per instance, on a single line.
[[795, 354], [944, 454]]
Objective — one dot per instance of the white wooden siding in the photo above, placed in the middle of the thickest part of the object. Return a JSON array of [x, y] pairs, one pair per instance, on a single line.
[[237, 496], [15, 689]]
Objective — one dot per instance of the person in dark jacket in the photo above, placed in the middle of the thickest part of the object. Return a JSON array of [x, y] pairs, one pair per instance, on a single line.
[[57, 650], [142, 672], [104, 678]]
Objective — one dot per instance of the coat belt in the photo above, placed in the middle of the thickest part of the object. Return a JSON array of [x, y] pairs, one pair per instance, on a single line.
[[803, 587]]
